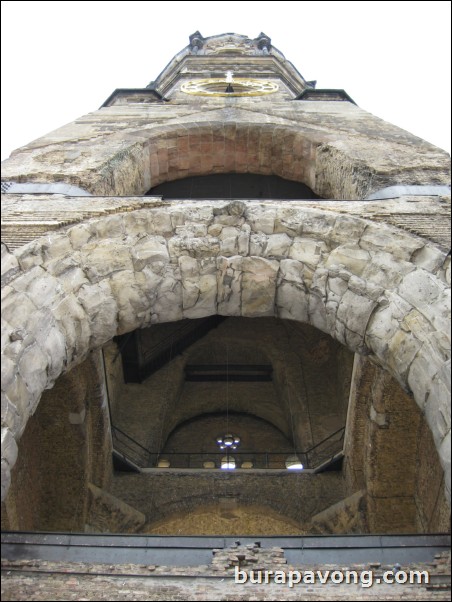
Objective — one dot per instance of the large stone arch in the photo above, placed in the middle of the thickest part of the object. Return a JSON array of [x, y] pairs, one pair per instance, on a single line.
[[377, 290], [323, 151], [327, 159]]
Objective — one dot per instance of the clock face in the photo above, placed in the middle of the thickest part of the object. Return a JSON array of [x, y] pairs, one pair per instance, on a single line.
[[226, 87]]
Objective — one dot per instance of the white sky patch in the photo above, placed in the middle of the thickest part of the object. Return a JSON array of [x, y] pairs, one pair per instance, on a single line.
[[61, 60]]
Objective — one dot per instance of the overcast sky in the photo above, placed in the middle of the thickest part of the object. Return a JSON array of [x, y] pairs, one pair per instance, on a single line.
[[61, 60]]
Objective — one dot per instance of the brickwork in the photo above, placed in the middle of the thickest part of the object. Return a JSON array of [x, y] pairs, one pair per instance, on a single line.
[[39, 580], [67, 442], [161, 494]]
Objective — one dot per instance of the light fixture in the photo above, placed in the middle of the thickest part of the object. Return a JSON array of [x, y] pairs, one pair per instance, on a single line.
[[228, 462], [294, 463], [228, 441]]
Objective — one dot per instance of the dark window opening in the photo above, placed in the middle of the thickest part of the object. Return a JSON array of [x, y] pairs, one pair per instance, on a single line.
[[233, 186]]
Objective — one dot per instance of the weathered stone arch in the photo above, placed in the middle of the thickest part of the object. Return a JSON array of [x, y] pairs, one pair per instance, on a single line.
[[329, 158], [377, 290]]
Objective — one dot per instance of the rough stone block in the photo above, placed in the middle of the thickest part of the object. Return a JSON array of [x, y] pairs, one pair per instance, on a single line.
[[351, 257], [18, 310], [385, 238], [385, 270], [258, 286], [308, 251], [229, 283], [9, 265], [148, 251], [9, 447], [73, 323], [10, 416], [277, 246], [33, 368], [101, 259], [101, 309]]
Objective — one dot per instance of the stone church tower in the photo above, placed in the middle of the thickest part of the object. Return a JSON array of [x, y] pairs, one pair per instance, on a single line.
[[228, 268]]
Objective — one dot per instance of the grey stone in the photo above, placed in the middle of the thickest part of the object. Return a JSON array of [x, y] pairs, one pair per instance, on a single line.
[[308, 251], [9, 447], [258, 286], [149, 250], [351, 257], [101, 309]]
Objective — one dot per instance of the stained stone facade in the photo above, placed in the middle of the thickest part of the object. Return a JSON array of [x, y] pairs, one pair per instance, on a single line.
[[302, 284]]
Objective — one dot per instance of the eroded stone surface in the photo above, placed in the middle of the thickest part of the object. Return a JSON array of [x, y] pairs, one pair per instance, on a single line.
[[365, 292]]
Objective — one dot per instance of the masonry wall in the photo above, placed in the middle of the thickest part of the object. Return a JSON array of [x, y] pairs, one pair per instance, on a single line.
[[389, 452], [65, 446], [165, 497]]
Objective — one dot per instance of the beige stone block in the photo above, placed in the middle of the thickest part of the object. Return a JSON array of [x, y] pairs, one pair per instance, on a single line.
[[199, 286], [437, 409], [390, 240], [429, 258], [80, 235], [72, 279], [317, 312], [422, 371], [421, 289], [9, 266], [10, 416], [73, 323], [337, 286], [33, 369], [6, 478], [317, 224], [385, 270], [229, 246], [351, 257], [402, 349], [167, 306], [444, 452], [215, 230], [9, 447], [102, 311], [149, 250], [385, 322], [229, 283], [29, 255], [347, 228], [190, 230], [56, 246], [261, 222], [161, 222], [101, 259], [308, 251], [52, 342], [18, 310], [44, 290], [258, 286], [277, 246], [292, 301], [258, 242]]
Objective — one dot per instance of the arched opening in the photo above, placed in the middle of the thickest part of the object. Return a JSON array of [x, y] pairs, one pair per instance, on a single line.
[[349, 278], [226, 516], [388, 480], [268, 147], [233, 186]]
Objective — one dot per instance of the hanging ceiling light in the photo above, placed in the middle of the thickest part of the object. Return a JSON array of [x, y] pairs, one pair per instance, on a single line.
[[294, 463], [228, 463], [228, 441]]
